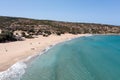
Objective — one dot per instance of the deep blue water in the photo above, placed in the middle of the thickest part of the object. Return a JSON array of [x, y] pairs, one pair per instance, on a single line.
[[86, 58]]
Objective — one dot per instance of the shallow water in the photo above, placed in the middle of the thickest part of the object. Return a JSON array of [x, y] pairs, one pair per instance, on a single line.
[[86, 58]]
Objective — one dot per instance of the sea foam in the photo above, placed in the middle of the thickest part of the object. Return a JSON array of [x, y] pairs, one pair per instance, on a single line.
[[14, 72]]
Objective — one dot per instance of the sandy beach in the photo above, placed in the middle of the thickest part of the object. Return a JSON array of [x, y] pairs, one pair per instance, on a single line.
[[12, 52]]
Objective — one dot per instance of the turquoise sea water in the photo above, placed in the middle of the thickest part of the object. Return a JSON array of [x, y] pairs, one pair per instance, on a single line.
[[86, 58]]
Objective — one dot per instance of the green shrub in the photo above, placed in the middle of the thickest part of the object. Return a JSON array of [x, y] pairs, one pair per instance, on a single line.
[[7, 36]]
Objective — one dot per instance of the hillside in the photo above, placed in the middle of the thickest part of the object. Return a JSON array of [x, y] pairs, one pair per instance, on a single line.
[[38, 26], [14, 28]]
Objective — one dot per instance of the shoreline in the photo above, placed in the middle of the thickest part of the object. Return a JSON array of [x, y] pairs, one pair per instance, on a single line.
[[8, 59], [107, 34]]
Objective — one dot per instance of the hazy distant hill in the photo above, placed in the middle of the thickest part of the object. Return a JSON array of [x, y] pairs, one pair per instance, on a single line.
[[49, 26]]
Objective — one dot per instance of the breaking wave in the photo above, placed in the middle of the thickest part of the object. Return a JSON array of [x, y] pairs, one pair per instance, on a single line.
[[14, 72]]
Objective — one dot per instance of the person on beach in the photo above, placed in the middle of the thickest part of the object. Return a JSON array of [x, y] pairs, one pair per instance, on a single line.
[[6, 50], [30, 43], [32, 48]]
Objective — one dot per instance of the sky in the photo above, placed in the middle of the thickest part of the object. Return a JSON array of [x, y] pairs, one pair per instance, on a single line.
[[88, 11]]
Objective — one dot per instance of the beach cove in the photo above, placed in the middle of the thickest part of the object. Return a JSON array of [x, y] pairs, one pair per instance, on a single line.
[[13, 52], [87, 58]]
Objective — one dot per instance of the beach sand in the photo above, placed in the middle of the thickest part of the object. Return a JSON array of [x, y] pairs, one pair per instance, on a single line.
[[12, 52]]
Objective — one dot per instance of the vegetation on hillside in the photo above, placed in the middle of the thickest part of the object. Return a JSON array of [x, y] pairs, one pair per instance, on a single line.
[[47, 27]]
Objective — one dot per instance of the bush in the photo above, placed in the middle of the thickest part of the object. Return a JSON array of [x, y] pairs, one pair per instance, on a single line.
[[47, 32], [58, 33], [7, 36], [45, 35], [23, 34], [29, 36]]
